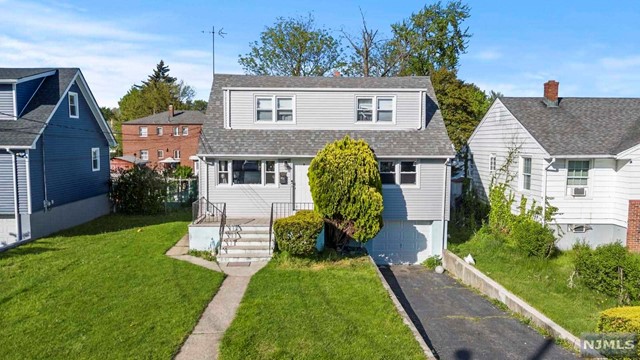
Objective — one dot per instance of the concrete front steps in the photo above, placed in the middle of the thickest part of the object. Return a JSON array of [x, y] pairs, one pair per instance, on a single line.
[[245, 244]]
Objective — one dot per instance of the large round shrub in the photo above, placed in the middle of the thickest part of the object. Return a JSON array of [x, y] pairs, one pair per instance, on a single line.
[[297, 234], [139, 190], [533, 238], [346, 188]]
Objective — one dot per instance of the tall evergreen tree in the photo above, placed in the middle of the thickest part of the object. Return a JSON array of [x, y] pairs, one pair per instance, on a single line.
[[160, 74]]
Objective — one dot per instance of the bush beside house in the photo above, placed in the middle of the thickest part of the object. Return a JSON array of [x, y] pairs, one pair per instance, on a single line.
[[297, 234], [139, 190]]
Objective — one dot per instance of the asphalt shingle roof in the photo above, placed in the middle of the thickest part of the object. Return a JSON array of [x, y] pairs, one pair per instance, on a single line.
[[428, 142], [19, 73], [580, 126], [25, 130], [179, 117]]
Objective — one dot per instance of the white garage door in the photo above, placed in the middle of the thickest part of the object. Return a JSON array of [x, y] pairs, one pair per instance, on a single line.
[[401, 242]]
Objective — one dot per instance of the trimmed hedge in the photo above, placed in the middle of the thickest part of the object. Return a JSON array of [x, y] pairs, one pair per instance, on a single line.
[[609, 269], [621, 320], [297, 234]]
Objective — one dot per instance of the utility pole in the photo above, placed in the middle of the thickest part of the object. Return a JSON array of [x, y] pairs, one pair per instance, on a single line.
[[213, 33]]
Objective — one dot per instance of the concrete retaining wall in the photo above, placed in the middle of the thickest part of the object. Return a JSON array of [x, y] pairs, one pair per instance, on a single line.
[[473, 277]]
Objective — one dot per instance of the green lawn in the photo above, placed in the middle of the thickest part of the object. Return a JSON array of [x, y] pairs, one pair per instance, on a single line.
[[304, 309], [542, 283], [103, 290]]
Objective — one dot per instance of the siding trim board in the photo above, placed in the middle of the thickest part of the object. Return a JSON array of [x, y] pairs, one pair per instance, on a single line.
[[322, 89]]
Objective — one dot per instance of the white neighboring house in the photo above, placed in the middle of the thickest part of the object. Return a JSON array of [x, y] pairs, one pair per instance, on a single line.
[[582, 154], [262, 132]]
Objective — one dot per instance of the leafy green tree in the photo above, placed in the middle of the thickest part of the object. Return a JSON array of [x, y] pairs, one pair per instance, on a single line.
[[347, 190], [199, 105], [182, 172], [462, 105], [432, 38], [139, 190], [293, 47], [493, 95]]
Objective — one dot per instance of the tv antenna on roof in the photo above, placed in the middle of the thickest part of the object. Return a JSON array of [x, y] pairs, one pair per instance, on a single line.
[[213, 33]]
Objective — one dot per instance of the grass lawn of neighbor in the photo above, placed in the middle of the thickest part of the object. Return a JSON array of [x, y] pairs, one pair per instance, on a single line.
[[546, 284], [318, 309], [103, 290]]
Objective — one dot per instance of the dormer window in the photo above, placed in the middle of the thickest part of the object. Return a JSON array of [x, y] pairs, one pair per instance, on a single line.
[[373, 109], [73, 105], [275, 109]]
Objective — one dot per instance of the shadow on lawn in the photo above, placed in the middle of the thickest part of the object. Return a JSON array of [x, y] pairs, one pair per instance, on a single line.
[[119, 222], [25, 250]]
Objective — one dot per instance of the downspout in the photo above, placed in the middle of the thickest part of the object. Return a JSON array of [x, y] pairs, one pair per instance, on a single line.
[[447, 163], [16, 205], [544, 191], [44, 177]]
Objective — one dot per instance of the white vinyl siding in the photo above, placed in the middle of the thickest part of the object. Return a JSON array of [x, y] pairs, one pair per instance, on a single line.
[[6, 102], [322, 110]]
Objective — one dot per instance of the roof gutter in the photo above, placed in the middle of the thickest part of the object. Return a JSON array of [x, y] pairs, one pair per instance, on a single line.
[[585, 156], [253, 156]]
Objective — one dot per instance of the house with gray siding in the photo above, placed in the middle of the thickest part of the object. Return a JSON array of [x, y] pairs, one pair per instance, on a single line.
[[261, 133], [54, 153], [581, 155]]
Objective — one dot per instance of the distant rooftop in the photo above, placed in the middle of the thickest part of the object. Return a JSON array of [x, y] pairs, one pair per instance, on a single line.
[[179, 117], [19, 73]]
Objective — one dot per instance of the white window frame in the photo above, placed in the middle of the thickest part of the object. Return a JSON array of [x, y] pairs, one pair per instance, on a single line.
[[95, 156], [176, 131], [523, 175], [144, 157], [160, 154], [185, 130], [397, 168], [144, 133], [493, 163], [263, 173], [590, 180], [176, 154], [76, 103], [374, 109], [395, 171], [274, 108], [159, 130]]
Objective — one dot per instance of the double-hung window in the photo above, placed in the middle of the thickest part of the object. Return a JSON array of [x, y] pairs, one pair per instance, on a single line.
[[176, 131], [400, 172], [160, 154], [270, 172], [176, 154], [159, 130], [388, 172], [274, 109], [374, 109], [143, 131], [223, 172], [185, 131], [73, 105], [492, 163], [144, 154], [408, 172], [95, 159], [526, 173], [578, 173]]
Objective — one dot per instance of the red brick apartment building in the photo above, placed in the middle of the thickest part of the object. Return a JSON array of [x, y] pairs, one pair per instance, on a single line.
[[166, 139]]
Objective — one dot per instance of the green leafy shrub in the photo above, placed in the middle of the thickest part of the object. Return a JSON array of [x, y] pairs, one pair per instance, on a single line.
[[346, 188], [609, 269], [501, 218], [621, 320], [183, 172], [533, 238], [139, 190], [297, 234], [432, 262]]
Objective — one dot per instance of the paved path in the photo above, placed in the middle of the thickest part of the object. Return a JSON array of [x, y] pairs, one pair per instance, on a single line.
[[205, 339], [460, 324]]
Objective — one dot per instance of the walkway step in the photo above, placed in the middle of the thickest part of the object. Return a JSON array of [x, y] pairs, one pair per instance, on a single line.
[[246, 242], [247, 257]]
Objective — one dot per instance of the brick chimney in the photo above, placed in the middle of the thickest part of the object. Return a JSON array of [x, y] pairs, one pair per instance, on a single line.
[[336, 73], [170, 111], [551, 91]]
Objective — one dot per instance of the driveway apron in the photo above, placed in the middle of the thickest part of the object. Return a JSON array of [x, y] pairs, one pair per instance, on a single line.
[[458, 323]]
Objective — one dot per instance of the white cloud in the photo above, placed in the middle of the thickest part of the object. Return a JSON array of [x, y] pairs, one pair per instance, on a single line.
[[112, 54], [488, 55]]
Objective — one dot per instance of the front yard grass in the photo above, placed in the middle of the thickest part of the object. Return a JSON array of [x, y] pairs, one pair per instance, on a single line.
[[546, 284], [318, 309], [103, 290]]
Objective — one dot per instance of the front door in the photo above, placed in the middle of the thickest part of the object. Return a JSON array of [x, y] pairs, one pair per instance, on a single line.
[[302, 190]]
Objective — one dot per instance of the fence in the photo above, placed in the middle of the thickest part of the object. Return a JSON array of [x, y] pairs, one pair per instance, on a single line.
[[181, 192]]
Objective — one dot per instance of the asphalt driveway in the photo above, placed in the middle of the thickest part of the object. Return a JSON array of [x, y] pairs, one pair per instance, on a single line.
[[460, 324]]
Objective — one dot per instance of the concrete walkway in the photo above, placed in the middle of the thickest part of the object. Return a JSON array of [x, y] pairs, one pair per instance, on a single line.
[[457, 323], [204, 341]]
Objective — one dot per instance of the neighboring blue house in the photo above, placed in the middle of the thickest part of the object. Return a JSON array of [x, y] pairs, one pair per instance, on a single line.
[[54, 153]]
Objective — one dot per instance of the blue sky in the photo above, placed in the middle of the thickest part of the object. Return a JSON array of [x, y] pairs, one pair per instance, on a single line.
[[591, 47]]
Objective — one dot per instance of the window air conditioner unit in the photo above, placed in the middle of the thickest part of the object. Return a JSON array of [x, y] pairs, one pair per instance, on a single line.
[[579, 192]]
